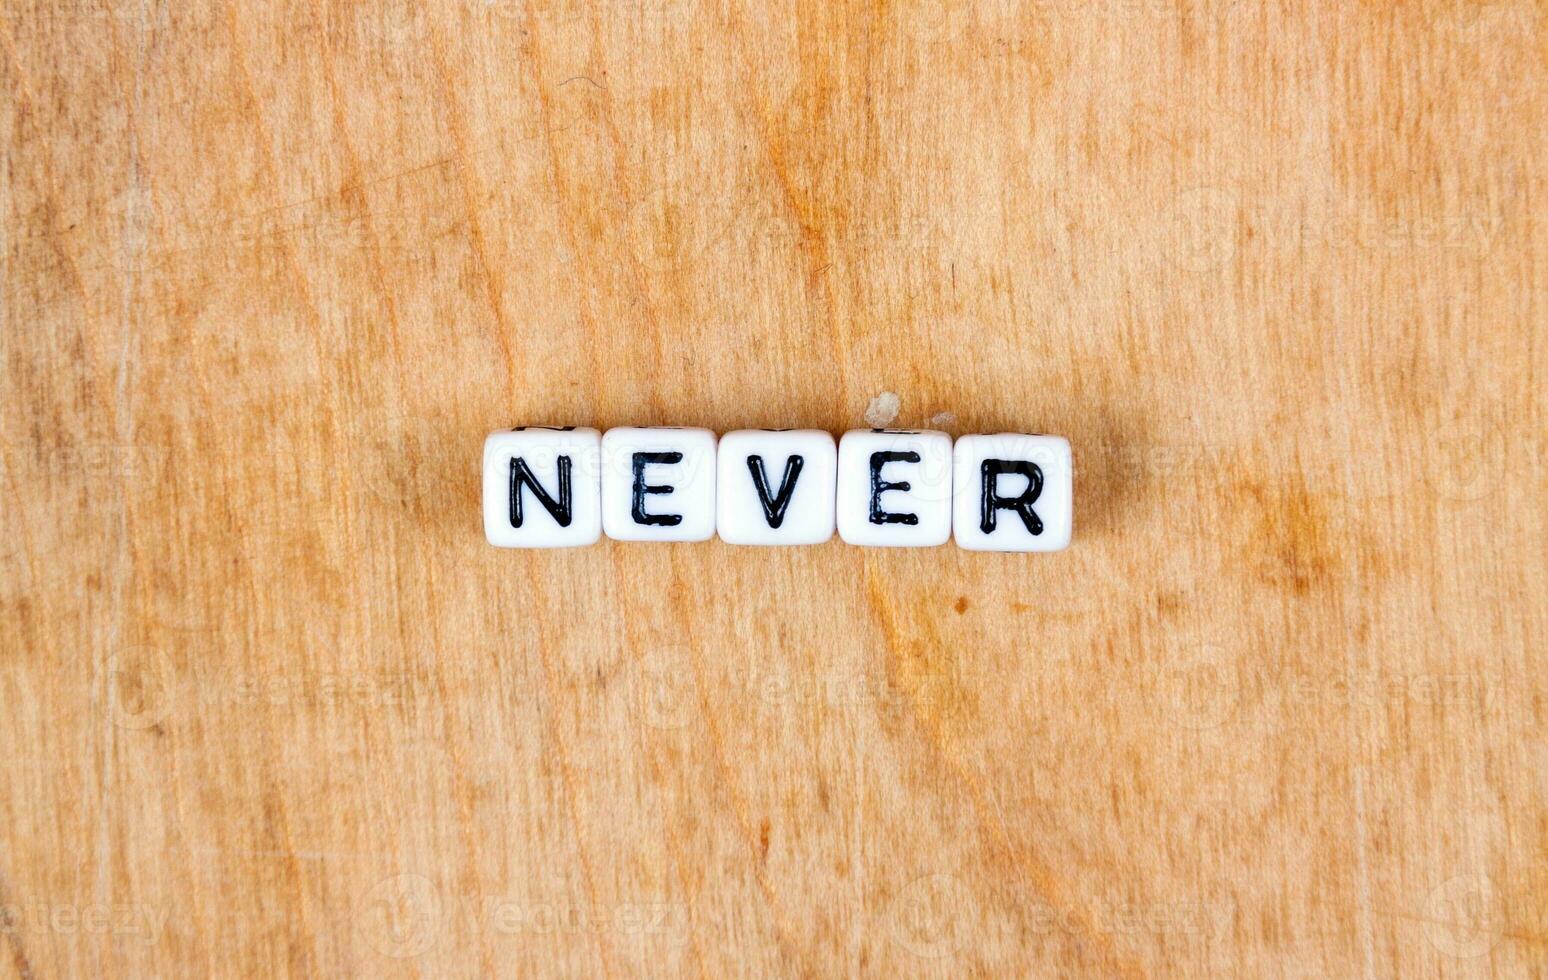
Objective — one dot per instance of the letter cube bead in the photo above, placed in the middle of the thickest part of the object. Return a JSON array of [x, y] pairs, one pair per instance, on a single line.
[[543, 487], [658, 484], [894, 488], [1014, 492], [776, 486]]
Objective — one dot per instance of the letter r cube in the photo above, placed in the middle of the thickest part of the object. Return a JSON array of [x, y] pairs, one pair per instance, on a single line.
[[1012, 492]]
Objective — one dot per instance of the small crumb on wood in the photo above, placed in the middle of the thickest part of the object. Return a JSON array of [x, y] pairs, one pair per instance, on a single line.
[[882, 410]]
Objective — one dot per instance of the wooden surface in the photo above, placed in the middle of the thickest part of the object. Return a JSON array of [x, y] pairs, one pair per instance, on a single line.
[[271, 272]]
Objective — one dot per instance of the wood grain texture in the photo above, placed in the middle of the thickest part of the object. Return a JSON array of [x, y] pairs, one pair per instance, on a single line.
[[271, 272]]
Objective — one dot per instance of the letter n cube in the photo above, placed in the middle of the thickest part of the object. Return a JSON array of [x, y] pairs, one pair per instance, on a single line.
[[543, 487]]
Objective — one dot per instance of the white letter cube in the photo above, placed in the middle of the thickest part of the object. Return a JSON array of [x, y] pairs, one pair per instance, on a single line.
[[542, 487], [1014, 492], [894, 488], [658, 484], [776, 486]]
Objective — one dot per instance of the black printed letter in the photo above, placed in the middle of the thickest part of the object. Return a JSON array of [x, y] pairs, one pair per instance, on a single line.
[[641, 460], [993, 502], [521, 473], [878, 487], [774, 510]]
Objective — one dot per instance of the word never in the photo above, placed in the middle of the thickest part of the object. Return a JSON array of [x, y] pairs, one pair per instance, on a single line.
[[555, 487]]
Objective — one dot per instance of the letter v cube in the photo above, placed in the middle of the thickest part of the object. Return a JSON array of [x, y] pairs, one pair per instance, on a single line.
[[543, 487], [776, 486]]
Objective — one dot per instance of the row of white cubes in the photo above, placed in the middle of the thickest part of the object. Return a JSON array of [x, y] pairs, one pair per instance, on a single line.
[[556, 487]]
